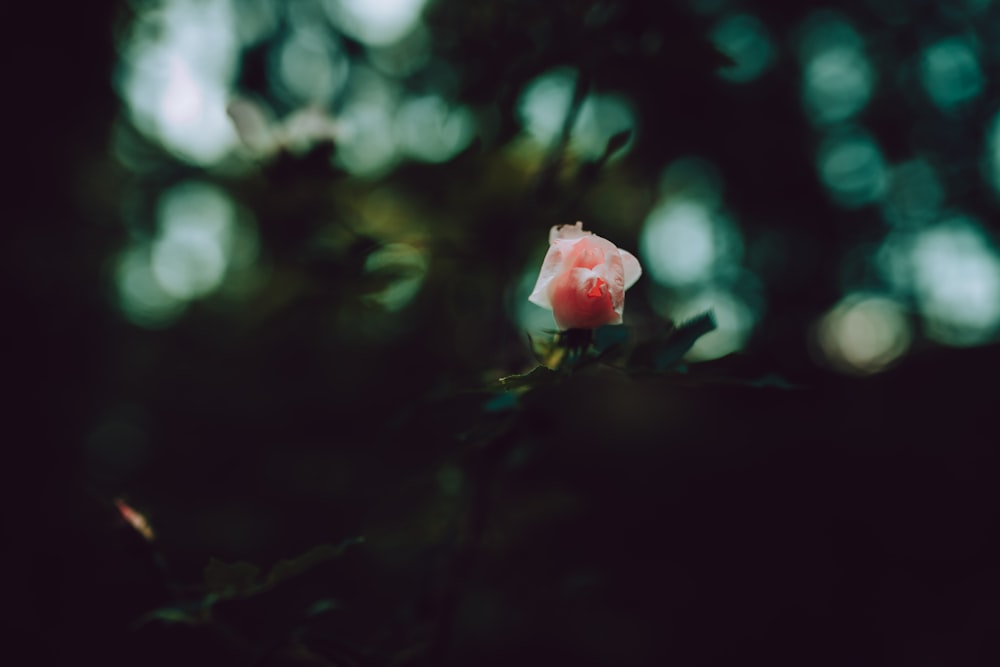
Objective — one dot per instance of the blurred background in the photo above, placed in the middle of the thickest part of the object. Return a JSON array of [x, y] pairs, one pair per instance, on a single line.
[[269, 258]]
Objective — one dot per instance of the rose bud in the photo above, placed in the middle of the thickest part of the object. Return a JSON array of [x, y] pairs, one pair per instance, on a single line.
[[584, 278]]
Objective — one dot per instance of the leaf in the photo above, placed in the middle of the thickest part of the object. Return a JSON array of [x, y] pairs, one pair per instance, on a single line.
[[616, 143], [666, 353], [501, 403], [722, 59], [682, 339], [230, 578], [609, 341]]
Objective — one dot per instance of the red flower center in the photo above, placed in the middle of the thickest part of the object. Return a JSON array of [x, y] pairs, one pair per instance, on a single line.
[[598, 289]]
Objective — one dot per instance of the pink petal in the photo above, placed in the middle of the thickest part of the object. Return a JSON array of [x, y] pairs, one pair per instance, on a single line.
[[577, 305]]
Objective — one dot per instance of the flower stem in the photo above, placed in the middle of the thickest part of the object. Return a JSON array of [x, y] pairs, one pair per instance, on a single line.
[[576, 342]]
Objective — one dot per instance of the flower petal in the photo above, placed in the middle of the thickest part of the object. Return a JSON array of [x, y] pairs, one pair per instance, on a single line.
[[632, 268], [551, 266], [562, 240], [567, 232], [581, 300]]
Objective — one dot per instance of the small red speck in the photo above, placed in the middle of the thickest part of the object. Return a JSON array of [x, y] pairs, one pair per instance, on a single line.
[[597, 289]]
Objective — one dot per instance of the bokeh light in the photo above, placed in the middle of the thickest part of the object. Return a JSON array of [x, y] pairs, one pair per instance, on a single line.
[[602, 117], [838, 77], [188, 265], [406, 265], [367, 145], [375, 22], [956, 281], [257, 20], [687, 238], [863, 334], [177, 68], [311, 68], [914, 195], [543, 105], [851, 167], [951, 73], [745, 39], [427, 128], [306, 127], [545, 101], [196, 228], [684, 242], [200, 236], [734, 319], [142, 299], [951, 271]]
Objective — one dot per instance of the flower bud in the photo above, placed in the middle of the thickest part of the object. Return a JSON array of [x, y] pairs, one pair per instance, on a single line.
[[583, 279]]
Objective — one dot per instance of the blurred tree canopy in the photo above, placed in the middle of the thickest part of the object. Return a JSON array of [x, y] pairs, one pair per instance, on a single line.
[[285, 401]]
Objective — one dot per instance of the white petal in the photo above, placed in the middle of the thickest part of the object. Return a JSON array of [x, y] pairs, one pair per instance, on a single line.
[[551, 267], [632, 268], [540, 297], [567, 232]]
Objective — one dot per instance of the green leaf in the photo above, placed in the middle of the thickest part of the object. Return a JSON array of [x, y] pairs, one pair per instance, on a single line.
[[722, 59], [666, 352], [501, 403], [682, 339], [616, 143]]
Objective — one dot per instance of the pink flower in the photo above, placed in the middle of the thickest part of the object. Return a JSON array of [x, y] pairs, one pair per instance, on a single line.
[[584, 278]]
